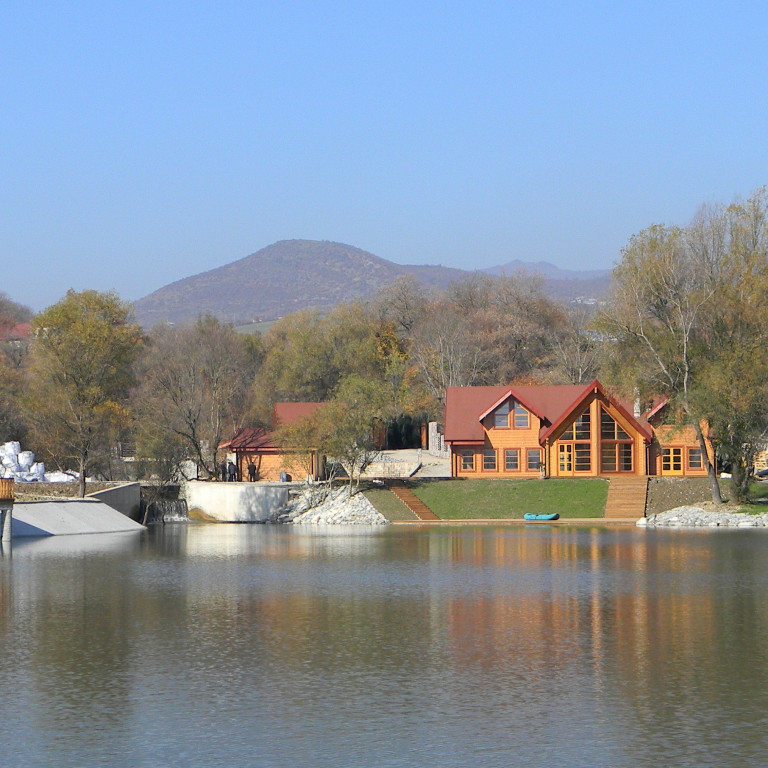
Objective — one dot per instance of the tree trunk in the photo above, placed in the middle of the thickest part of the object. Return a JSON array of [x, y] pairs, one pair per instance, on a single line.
[[81, 479], [714, 485]]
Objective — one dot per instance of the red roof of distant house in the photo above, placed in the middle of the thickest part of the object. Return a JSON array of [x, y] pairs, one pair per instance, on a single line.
[[249, 438], [258, 438], [15, 332], [289, 413]]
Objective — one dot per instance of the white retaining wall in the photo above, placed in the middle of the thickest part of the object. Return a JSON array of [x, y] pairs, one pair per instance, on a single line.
[[237, 502]]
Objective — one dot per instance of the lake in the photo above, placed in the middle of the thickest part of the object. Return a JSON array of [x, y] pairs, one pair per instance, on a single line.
[[249, 645]]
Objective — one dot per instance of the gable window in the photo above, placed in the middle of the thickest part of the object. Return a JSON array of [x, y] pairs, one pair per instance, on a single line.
[[522, 419], [616, 446], [467, 461], [489, 460], [580, 429], [501, 416], [512, 459]]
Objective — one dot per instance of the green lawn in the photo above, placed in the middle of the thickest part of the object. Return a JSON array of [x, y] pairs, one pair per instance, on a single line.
[[499, 499], [758, 497]]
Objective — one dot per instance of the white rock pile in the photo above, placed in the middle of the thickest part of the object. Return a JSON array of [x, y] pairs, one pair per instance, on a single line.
[[696, 517], [22, 467], [337, 508]]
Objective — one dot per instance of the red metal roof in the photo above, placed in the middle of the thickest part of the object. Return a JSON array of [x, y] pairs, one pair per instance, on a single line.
[[258, 438], [250, 439], [465, 407], [289, 413]]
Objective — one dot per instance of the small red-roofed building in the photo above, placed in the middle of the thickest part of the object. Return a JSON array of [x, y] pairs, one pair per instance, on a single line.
[[560, 431], [272, 462]]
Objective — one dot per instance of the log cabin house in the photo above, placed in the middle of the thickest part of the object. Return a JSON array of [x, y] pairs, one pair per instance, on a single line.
[[258, 445], [562, 431]]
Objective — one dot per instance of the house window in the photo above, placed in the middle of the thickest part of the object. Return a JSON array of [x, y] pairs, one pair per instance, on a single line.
[[694, 458], [616, 446], [512, 459], [522, 418], [576, 456], [467, 461], [583, 453], [533, 459], [501, 416], [672, 460], [580, 429], [489, 460], [610, 429]]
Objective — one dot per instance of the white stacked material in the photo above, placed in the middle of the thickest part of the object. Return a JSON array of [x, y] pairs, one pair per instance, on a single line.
[[22, 467], [338, 508], [696, 517]]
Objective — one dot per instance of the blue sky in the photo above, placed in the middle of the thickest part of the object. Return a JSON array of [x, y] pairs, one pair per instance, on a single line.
[[143, 142]]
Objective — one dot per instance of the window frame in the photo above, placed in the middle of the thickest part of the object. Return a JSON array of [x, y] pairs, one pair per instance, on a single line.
[[528, 463], [509, 453]]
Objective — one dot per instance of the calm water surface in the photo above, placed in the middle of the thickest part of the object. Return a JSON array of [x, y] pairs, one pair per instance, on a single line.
[[442, 646]]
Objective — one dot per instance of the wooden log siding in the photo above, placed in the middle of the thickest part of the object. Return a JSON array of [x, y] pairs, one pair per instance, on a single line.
[[7, 491]]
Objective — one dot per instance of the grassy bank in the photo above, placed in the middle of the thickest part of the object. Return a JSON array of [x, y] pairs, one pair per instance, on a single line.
[[505, 499]]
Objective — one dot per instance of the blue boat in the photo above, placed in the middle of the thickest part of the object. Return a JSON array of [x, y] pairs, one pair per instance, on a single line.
[[532, 516]]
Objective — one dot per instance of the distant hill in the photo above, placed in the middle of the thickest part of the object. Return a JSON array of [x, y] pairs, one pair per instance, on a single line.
[[291, 275], [564, 284]]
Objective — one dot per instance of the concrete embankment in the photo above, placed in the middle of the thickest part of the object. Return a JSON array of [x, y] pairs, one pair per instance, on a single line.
[[236, 502], [68, 517]]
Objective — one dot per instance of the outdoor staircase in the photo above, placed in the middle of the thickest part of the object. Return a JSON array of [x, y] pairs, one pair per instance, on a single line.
[[413, 502], [626, 497]]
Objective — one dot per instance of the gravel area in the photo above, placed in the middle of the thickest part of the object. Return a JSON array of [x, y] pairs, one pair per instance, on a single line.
[[338, 508]]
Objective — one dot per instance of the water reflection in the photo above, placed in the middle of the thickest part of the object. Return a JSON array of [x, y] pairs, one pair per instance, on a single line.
[[259, 645]]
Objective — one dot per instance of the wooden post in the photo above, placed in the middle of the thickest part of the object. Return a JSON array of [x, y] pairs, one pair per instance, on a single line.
[[6, 508]]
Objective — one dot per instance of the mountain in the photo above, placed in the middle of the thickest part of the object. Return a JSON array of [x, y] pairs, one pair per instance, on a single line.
[[291, 275], [564, 284]]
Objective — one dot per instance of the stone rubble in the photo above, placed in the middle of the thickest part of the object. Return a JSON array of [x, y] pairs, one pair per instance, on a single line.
[[336, 509], [697, 517]]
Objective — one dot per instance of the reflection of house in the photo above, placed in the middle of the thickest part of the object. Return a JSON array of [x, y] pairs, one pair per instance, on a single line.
[[258, 445], [561, 431]]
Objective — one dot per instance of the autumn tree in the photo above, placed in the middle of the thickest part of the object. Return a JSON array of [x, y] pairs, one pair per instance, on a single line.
[[576, 347], [307, 355], [14, 347], [688, 317], [486, 331], [194, 391], [80, 373], [733, 385], [343, 429]]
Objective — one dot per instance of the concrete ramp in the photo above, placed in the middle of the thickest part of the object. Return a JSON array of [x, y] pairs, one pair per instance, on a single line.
[[67, 517]]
